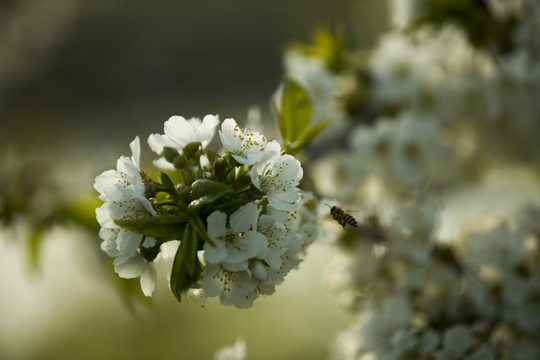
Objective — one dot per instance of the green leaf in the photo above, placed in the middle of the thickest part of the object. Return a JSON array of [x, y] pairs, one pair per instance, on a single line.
[[160, 227], [296, 111], [169, 186], [188, 248], [186, 269]]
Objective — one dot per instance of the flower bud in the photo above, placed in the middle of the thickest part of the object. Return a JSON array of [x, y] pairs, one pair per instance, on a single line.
[[220, 167], [179, 162], [170, 154], [184, 190], [259, 271]]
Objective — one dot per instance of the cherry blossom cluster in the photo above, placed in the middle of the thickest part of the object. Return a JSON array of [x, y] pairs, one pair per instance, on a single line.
[[234, 224]]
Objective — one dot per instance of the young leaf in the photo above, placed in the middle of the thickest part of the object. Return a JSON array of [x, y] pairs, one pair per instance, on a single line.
[[296, 110], [204, 187], [169, 186], [204, 192], [197, 204], [162, 227]]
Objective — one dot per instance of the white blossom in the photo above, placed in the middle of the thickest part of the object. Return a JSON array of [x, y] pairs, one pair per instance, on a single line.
[[232, 287], [278, 176], [179, 132], [245, 145], [286, 236], [122, 191], [236, 242]]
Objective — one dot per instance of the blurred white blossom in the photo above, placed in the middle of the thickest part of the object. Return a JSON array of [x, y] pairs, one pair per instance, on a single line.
[[238, 351]]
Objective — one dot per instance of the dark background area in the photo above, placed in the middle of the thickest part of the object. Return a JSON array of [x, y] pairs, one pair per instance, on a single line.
[[83, 73]]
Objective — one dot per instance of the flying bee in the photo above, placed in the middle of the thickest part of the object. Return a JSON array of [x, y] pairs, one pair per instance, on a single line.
[[341, 216]]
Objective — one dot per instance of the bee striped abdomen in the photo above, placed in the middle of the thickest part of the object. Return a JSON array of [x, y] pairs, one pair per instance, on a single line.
[[342, 217], [348, 219]]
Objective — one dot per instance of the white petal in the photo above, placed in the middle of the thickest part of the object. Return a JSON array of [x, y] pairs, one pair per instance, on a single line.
[[243, 285], [179, 130], [254, 243], [245, 218], [259, 270], [249, 159], [135, 147], [292, 169], [217, 224], [235, 266], [109, 247], [131, 268], [215, 254], [148, 280], [168, 249], [163, 164], [105, 183], [272, 150], [226, 133], [284, 200], [210, 283], [149, 242], [254, 175], [128, 242], [158, 141], [208, 129], [273, 259]]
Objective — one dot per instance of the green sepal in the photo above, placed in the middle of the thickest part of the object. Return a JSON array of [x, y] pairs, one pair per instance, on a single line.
[[186, 269], [192, 150], [296, 109], [159, 227], [212, 156]]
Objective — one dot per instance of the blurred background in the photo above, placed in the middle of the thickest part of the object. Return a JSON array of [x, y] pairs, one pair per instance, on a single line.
[[78, 81]]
